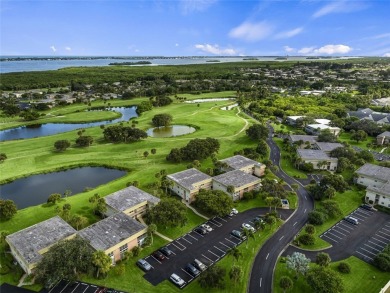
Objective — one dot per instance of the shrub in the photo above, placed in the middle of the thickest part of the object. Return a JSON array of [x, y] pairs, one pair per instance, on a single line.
[[344, 268], [135, 251], [310, 229], [307, 239], [317, 218]]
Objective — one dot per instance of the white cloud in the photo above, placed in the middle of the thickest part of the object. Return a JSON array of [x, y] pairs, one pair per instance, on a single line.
[[327, 49], [53, 48], [382, 36], [176, 45], [68, 49], [216, 50], [289, 34], [251, 31], [189, 6], [340, 6], [386, 55], [289, 49]]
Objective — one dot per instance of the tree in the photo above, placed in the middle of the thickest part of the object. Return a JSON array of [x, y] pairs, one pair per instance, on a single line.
[[330, 192], [336, 181], [7, 209], [152, 229], [98, 203], [196, 149], [168, 212], [310, 229], [235, 274], [322, 280], [162, 120], [257, 132], [331, 208], [213, 278], [153, 151], [62, 145], [344, 268], [323, 259], [248, 234], [316, 218], [67, 193], [382, 261], [119, 133], [307, 239], [262, 149], [214, 202], [234, 252], [3, 157], [359, 135], [298, 262], [67, 259], [53, 198], [102, 262], [286, 283], [146, 154], [78, 222], [269, 201], [84, 141], [230, 189], [326, 136]]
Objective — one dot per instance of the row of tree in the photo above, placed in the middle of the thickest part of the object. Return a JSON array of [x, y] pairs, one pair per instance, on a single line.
[[196, 149]]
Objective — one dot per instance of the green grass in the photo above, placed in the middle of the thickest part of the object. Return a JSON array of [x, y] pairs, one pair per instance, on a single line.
[[363, 277]]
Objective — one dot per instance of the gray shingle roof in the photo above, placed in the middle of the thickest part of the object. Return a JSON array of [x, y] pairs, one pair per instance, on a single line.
[[236, 178], [238, 162], [111, 231], [328, 146], [385, 134], [304, 138], [129, 197], [313, 155], [374, 171], [384, 189], [28, 242], [188, 177]]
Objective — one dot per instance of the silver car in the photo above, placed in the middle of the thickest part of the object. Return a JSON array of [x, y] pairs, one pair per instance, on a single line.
[[177, 280]]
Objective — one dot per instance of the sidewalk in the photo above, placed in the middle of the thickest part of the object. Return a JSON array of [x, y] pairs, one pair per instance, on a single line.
[[157, 233], [194, 210]]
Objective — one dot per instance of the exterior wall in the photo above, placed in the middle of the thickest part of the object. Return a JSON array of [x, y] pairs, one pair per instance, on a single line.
[[189, 195], [315, 131], [332, 165], [238, 192], [138, 210], [25, 266], [259, 171], [382, 140], [377, 198], [368, 181]]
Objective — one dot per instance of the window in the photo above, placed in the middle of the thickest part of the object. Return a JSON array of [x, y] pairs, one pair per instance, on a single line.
[[123, 249]]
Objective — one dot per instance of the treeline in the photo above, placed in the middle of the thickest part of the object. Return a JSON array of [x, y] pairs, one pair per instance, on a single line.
[[196, 149]]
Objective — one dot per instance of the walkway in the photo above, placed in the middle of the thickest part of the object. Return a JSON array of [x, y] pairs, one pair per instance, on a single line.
[[157, 233], [194, 210]]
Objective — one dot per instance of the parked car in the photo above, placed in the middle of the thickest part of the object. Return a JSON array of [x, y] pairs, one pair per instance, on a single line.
[[238, 234], [144, 265], [177, 280], [158, 255], [248, 227], [192, 270], [200, 230], [351, 220], [102, 290], [207, 227], [258, 219], [368, 207], [199, 265], [166, 251], [233, 212]]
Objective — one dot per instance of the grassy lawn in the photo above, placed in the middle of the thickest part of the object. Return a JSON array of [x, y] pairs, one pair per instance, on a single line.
[[363, 277], [346, 137], [244, 205], [348, 201]]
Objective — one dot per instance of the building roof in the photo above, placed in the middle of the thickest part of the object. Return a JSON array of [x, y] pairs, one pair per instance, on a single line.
[[238, 162], [322, 121], [236, 178], [188, 178], [110, 231], [129, 197], [374, 171], [314, 155], [328, 146], [28, 242], [384, 189], [385, 134], [294, 117], [304, 138], [321, 126]]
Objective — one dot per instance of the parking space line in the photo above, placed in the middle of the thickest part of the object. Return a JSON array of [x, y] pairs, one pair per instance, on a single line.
[[381, 236], [329, 238], [367, 251], [334, 230], [78, 284], [186, 239], [181, 249], [357, 216], [85, 288], [376, 244], [192, 237], [188, 274], [383, 233], [372, 247], [223, 251], [207, 258], [65, 287], [214, 254], [222, 219], [231, 241], [378, 240], [198, 233], [334, 235], [215, 223], [386, 229], [347, 226], [155, 259], [225, 245], [364, 255], [344, 230], [365, 212]]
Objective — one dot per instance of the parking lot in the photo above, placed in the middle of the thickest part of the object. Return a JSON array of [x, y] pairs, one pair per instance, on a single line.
[[79, 287], [364, 240], [208, 248]]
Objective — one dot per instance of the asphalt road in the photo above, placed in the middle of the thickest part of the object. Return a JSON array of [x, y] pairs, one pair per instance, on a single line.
[[261, 279]]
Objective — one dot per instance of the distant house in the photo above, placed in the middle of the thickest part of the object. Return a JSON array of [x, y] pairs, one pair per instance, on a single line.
[[244, 164], [327, 147], [132, 201], [318, 158], [292, 120], [368, 114], [115, 235], [383, 138], [28, 245], [305, 139], [238, 180], [316, 129], [379, 195], [187, 183]]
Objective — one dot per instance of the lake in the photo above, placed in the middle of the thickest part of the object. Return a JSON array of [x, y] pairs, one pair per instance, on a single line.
[[169, 131], [35, 189], [54, 128]]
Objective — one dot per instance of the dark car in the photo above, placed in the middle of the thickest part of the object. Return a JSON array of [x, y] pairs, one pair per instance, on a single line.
[[192, 270], [200, 230], [258, 219], [166, 251], [368, 207], [158, 255], [238, 234], [144, 265]]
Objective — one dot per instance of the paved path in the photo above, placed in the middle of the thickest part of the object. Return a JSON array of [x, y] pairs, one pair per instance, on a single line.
[[261, 279], [194, 210], [157, 233]]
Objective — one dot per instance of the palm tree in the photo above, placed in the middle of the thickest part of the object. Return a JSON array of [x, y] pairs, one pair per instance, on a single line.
[[235, 274], [249, 234], [235, 253], [102, 261], [152, 228]]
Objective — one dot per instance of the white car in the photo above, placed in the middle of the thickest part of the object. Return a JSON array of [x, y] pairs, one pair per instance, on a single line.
[[177, 280], [248, 227], [207, 227], [233, 212]]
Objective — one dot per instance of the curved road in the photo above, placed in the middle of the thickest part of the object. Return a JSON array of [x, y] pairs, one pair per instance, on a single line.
[[261, 279]]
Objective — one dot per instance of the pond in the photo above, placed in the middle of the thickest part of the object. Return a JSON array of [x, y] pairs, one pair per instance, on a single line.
[[55, 128], [35, 189], [169, 131]]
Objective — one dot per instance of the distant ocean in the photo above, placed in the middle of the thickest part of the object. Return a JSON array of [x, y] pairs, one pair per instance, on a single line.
[[41, 63]]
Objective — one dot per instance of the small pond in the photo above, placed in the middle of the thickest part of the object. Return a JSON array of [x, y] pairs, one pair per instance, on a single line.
[[55, 128], [35, 189], [169, 131]]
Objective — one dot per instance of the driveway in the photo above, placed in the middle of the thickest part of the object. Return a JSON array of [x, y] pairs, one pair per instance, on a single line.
[[208, 248]]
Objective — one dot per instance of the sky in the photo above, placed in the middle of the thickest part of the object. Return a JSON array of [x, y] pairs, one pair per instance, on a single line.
[[195, 27]]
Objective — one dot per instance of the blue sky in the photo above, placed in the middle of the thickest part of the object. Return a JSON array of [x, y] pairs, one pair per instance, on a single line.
[[195, 27]]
